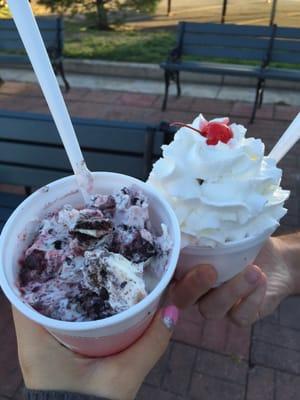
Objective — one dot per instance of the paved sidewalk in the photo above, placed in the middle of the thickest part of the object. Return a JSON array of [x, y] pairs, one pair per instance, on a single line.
[[255, 12], [221, 89], [209, 360]]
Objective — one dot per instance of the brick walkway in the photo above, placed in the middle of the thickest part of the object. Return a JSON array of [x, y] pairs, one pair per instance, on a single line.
[[209, 360]]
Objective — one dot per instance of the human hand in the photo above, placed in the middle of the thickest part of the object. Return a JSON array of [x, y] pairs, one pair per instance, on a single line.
[[196, 287], [252, 294], [283, 279], [47, 365]]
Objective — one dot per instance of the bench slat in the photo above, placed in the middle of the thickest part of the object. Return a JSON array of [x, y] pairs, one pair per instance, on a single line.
[[17, 45], [5, 213], [11, 41], [21, 175], [221, 52], [288, 57], [286, 45], [55, 158], [226, 41], [102, 135], [245, 30], [14, 35], [286, 32], [10, 200], [49, 23], [29, 176], [14, 59]]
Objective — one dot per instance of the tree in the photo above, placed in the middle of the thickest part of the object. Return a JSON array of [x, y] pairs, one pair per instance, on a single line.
[[99, 7], [102, 14]]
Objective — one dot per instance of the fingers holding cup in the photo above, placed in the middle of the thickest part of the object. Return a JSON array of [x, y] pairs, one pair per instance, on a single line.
[[247, 311], [217, 303], [195, 284]]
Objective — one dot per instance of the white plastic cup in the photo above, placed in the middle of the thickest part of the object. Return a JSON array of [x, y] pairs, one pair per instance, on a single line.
[[228, 260], [93, 338]]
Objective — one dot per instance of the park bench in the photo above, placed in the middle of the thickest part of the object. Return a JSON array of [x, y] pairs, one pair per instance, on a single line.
[[219, 49], [12, 51], [285, 50], [32, 155]]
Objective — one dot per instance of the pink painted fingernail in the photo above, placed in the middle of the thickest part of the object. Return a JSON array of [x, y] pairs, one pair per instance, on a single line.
[[170, 317]]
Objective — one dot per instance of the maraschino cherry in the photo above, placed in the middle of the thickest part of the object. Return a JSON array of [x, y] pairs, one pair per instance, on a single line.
[[214, 131]]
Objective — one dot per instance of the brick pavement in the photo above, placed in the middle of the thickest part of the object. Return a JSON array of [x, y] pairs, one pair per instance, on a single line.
[[206, 360]]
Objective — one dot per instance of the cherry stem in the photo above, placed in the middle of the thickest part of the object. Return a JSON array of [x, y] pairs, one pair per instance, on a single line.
[[186, 126]]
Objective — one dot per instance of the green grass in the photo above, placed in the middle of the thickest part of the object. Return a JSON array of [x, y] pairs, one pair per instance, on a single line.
[[118, 45]]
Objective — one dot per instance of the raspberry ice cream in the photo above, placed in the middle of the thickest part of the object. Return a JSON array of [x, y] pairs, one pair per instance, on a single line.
[[219, 183], [89, 264]]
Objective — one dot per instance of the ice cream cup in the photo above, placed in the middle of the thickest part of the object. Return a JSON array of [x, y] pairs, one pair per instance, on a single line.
[[93, 338], [228, 260]]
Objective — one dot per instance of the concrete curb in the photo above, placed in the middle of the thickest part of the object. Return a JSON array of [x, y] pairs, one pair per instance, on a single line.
[[154, 72]]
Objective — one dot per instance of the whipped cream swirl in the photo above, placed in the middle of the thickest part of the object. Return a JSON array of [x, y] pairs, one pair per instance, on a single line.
[[220, 193]]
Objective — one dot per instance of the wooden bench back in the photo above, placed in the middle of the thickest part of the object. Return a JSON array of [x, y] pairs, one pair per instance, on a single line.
[[286, 46], [51, 29], [211, 40], [8, 202], [31, 153]]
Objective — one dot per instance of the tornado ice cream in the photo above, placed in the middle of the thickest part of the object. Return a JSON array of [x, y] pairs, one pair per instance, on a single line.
[[89, 264]]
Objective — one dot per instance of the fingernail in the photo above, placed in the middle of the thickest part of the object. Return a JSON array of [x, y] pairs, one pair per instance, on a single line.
[[252, 275], [170, 317]]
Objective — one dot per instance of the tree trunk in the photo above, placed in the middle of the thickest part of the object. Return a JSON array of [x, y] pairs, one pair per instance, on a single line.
[[101, 16]]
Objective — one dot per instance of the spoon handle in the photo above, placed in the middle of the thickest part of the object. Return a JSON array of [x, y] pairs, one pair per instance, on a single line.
[[287, 140], [37, 53]]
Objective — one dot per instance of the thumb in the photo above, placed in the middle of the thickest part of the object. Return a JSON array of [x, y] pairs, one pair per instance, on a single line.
[[151, 346]]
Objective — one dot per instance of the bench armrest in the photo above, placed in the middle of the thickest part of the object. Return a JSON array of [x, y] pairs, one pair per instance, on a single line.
[[174, 55], [168, 130]]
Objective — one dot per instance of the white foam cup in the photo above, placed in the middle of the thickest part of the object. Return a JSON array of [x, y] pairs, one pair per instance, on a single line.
[[93, 338], [228, 260]]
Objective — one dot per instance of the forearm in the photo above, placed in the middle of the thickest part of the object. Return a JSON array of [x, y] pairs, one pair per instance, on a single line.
[[289, 247]]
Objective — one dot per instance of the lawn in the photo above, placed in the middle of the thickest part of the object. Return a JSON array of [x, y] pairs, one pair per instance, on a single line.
[[120, 44]]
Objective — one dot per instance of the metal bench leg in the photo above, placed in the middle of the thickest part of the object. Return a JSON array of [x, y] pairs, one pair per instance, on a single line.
[[62, 74], [261, 93], [178, 83], [258, 88], [167, 84]]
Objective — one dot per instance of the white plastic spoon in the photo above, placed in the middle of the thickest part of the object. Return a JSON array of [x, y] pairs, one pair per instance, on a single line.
[[37, 53], [286, 141]]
